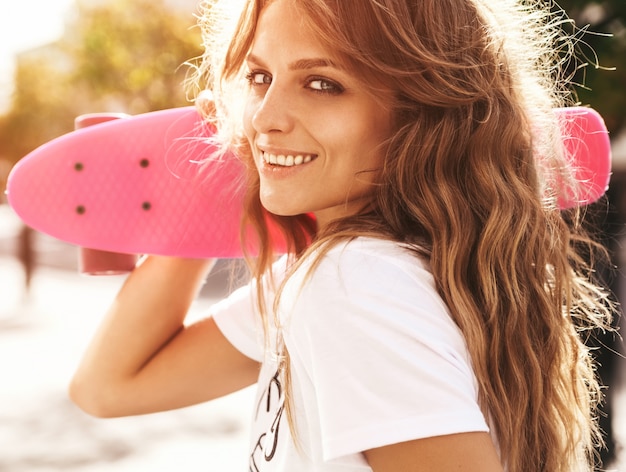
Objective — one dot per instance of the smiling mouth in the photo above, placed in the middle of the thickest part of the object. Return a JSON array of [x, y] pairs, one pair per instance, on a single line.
[[286, 160]]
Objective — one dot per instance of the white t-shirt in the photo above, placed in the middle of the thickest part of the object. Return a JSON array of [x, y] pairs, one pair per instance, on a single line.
[[375, 360]]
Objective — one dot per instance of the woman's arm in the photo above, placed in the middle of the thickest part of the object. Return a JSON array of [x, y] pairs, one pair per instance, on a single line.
[[467, 452], [143, 359]]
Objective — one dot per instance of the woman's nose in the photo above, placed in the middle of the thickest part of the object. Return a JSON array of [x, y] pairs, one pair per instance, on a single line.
[[273, 112]]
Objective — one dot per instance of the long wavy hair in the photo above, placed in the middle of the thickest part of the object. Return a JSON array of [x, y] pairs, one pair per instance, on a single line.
[[471, 179]]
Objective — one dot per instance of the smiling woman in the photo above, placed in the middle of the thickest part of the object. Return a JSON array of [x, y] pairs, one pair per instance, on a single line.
[[304, 106], [425, 315]]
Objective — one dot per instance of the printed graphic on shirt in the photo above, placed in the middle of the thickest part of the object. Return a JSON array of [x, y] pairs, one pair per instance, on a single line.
[[269, 412]]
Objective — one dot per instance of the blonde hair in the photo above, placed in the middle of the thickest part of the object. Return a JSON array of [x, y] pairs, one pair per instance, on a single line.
[[471, 178]]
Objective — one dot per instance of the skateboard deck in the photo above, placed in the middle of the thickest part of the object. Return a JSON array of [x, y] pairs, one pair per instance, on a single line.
[[148, 184], [141, 185], [586, 141]]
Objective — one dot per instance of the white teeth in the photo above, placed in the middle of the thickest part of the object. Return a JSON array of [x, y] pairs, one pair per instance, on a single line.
[[286, 161]]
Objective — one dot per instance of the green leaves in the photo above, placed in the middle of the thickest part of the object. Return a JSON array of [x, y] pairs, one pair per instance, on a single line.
[[603, 81], [115, 56]]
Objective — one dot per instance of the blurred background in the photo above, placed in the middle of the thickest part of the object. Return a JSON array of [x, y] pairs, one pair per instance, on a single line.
[[63, 58]]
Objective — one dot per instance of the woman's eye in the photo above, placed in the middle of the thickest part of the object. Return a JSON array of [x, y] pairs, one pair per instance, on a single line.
[[258, 78], [325, 86]]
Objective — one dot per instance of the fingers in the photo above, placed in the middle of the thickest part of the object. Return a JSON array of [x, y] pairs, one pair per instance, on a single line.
[[205, 103]]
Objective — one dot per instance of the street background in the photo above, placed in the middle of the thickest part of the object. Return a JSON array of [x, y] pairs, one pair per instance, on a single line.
[[42, 336]]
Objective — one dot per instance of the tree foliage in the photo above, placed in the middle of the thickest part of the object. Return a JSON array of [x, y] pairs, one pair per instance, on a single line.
[[115, 56], [128, 56], [132, 52], [601, 27]]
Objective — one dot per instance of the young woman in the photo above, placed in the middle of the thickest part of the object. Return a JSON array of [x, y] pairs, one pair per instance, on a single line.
[[426, 314]]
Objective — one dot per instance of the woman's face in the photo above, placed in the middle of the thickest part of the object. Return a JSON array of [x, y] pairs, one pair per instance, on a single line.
[[316, 134]]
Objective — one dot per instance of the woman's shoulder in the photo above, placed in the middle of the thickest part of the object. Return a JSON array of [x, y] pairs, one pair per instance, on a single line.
[[365, 268], [376, 257], [376, 286]]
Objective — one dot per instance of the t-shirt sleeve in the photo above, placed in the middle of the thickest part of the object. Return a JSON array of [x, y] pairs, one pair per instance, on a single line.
[[237, 319], [386, 360]]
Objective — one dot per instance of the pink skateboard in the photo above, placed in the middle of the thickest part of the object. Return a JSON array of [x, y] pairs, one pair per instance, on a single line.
[[139, 185], [586, 139], [143, 185]]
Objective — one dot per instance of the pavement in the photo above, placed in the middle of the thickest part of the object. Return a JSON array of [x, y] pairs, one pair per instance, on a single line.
[[43, 333], [42, 336]]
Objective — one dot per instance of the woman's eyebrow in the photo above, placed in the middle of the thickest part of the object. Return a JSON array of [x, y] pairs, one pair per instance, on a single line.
[[303, 64], [300, 64]]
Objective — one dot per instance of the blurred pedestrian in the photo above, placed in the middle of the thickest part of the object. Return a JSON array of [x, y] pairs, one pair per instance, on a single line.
[[26, 254]]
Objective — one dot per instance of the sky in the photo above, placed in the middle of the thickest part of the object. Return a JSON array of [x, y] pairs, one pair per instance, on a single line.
[[25, 24]]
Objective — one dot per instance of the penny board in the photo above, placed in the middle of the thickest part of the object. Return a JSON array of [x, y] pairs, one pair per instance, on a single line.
[[151, 184]]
